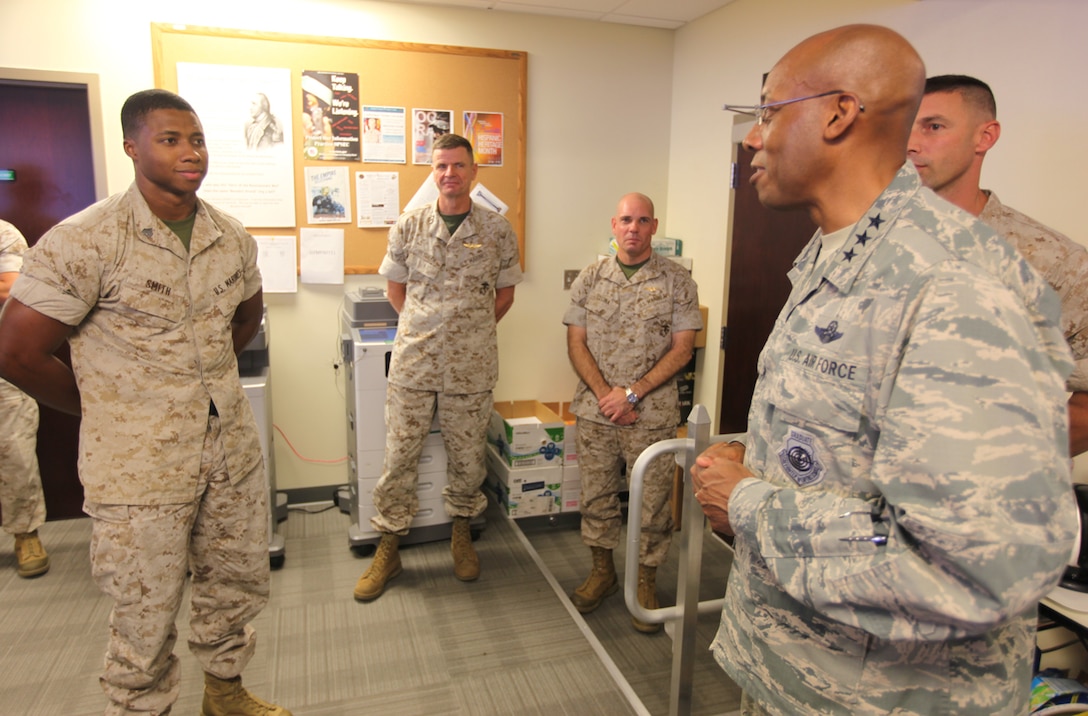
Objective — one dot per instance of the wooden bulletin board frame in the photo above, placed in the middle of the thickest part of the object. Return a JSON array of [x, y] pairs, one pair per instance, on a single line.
[[399, 74]]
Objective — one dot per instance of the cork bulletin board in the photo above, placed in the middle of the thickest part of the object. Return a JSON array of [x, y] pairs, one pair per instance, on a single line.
[[397, 74]]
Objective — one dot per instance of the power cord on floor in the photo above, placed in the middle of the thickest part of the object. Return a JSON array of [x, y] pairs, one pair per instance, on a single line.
[[300, 456], [311, 510]]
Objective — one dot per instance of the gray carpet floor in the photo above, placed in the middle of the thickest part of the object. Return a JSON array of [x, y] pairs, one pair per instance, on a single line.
[[506, 644], [644, 660]]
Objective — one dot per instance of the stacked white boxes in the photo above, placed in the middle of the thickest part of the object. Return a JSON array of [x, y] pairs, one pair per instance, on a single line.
[[571, 498], [524, 491], [525, 457]]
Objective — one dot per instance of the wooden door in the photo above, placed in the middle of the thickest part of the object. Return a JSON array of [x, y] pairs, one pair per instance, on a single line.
[[45, 136], [765, 243]]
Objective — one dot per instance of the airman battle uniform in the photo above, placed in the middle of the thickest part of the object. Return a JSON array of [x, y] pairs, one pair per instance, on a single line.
[[169, 455], [911, 502]]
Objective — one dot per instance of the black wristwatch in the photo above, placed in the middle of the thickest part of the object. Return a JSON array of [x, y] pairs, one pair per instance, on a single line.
[[631, 397]]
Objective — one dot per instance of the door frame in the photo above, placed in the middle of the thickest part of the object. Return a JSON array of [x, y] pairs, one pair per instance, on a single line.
[[771, 239], [58, 434], [82, 80]]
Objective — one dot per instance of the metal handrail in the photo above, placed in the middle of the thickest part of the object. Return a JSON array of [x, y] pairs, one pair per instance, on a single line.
[[688, 607]]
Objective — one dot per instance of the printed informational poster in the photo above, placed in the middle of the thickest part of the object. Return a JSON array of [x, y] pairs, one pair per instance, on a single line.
[[246, 116], [484, 130], [485, 198], [427, 126], [322, 255], [278, 262], [378, 197], [330, 116], [427, 193], [383, 135], [328, 195]]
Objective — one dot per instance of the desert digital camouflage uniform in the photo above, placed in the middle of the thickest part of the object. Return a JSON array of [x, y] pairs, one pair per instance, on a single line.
[[170, 487], [629, 326], [1062, 262], [445, 354], [911, 391], [21, 497]]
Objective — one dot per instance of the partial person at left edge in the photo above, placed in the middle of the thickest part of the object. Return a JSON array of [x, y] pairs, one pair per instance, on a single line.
[[21, 498], [156, 292]]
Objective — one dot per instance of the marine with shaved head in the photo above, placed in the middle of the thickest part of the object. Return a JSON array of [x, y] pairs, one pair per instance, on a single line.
[[900, 501]]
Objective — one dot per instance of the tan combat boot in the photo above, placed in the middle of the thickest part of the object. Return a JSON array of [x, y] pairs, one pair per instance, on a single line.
[[227, 697], [30, 554], [385, 566], [466, 565], [599, 584], [647, 598]]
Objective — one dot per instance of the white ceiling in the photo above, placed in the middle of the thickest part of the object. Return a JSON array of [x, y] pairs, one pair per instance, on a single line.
[[669, 14]]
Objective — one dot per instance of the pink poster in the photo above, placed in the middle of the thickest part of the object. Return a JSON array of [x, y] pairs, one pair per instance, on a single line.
[[484, 130]]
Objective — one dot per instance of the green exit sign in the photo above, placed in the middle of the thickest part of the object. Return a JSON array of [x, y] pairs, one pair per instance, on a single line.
[[7, 175]]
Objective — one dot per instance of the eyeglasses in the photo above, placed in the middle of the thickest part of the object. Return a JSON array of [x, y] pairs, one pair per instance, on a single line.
[[759, 111]]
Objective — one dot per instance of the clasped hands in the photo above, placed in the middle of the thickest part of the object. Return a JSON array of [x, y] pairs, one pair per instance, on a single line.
[[716, 473], [615, 407]]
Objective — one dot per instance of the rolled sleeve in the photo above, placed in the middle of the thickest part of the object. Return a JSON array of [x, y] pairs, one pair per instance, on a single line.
[[686, 316], [575, 314], [253, 278], [510, 266], [394, 266], [61, 277], [393, 271], [48, 301]]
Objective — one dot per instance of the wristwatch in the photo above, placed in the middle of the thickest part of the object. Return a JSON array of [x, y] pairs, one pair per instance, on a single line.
[[631, 397]]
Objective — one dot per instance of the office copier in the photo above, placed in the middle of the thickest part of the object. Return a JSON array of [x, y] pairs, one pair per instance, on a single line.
[[369, 325], [256, 374]]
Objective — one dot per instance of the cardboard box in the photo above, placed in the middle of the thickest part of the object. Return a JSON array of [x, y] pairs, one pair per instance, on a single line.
[[700, 336], [525, 492], [570, 431], [527, 433], [667, 247], [571, 493], [529, 503]]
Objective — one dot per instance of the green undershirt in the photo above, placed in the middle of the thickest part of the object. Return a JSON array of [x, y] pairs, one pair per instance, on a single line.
[[629, 271], [183, 229], [453, 221]]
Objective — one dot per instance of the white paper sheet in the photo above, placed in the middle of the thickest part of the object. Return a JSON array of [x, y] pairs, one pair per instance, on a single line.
[[278, 261], [322, 255]]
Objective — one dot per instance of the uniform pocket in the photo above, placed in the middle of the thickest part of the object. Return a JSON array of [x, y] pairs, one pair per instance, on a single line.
[[113, 554], [820, 390], [420, 268], [815, 410], [602, 305], [152, 300]]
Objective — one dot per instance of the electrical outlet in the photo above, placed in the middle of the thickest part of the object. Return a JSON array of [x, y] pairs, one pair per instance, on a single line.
[[568, 278]]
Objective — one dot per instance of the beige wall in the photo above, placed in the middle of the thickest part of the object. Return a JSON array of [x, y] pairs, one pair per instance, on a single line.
[[598, 127], [611, 109]]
